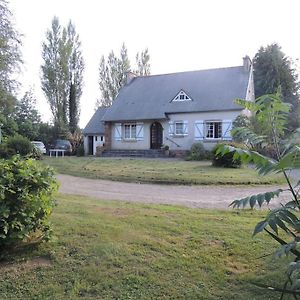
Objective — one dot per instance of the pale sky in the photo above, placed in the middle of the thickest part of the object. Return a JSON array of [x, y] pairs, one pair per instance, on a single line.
[[180, 35]]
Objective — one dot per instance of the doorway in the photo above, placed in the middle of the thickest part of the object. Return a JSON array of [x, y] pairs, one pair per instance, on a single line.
[[91, 145], [156, 135]]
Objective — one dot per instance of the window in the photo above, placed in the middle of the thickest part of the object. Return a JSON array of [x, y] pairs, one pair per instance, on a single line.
[[179, 128], [101, 138], [129, 131], [181, 96], [213, 129], [96, 138]]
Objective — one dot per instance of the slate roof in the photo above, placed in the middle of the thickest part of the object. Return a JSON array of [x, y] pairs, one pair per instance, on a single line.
[[150, 97], [96, 125]]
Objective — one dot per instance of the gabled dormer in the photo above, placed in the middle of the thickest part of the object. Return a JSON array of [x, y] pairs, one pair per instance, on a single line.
[[181, 96]]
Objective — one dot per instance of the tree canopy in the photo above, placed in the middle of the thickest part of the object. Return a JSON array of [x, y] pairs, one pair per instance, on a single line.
[[62, 75], [10, 58], [113, 72], [273, 69]]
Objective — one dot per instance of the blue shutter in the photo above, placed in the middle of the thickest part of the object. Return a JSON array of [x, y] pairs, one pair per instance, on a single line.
[[199, 130], [118, 132]]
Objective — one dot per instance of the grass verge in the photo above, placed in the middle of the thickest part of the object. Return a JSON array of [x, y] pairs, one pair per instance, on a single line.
[[168, 171], [117, 250]]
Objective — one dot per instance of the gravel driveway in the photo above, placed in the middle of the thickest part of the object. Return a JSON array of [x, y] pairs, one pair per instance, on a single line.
[[190, 196]]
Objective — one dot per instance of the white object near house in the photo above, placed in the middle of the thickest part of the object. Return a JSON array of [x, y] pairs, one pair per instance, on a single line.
[[178, 109]]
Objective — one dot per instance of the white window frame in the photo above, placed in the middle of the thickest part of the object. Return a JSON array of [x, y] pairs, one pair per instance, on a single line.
[[132, 131], [175, 128], [213, 122], [181, 96]]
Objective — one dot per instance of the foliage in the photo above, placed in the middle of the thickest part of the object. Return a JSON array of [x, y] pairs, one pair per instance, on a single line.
[[80, 150], [240, 121], [10, 58], [268, 124], [8, 125], [75, 70], [197, 152], [20, 144], [26, 199], [6, 152], [27, 116], [226, 160], [142, 62], [272, 68], [76, 140], [282, 223], [62, 75], [47, 133], [113, 73]]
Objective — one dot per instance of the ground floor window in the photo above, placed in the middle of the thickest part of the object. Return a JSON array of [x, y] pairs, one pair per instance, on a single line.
[[179, 128], [213, 129], [130, 131]]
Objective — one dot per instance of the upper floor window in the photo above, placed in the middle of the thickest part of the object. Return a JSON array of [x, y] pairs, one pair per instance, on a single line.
[[213, 129], [181, 96]]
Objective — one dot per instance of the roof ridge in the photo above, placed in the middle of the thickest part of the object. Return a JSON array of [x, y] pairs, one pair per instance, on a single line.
[[164, 74]]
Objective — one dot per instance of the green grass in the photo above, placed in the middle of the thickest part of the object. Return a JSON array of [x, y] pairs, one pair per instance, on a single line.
[[117, 250], [157, 171]]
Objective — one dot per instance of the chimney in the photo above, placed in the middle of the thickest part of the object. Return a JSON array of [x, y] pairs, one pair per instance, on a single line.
[[129, 76], [247, 63]]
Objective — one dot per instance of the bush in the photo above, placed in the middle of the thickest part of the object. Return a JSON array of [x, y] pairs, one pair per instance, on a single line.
[[226, 161], [26, 199], [20, 144], [80, 150], [6, 152], [197, 152]]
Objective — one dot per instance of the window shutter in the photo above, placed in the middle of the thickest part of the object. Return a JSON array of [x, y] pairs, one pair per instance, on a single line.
[[199, 130], [171, 128], [139, 131], [118, 132], [185, 127], [226, 129]]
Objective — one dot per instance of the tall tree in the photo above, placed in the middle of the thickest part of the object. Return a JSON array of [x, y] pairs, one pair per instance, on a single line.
[[10, 58], [62, 75], [113, 73], [76, 68], [272, 68], [27, 116], [142, 62]]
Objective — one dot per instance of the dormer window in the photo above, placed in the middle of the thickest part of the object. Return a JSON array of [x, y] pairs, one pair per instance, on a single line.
[[181, 96]]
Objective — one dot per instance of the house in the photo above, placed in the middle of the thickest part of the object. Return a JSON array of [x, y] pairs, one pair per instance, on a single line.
[[177, 109], [94, 132]]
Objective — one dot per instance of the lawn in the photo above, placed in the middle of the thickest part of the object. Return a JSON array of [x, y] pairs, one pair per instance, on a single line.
[[117, 250], [164, 171]]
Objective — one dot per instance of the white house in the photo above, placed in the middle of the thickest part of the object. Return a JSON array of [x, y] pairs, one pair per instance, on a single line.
[[177, 109]]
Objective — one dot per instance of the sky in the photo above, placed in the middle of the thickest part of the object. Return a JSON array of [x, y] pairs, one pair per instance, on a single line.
[[180, 35]]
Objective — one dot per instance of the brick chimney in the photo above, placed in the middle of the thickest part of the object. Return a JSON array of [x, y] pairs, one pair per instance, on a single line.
[[129, 76], [247, 63]]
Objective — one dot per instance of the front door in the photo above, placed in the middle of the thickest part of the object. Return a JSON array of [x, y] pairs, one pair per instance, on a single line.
[[156, 135], [91, 145]]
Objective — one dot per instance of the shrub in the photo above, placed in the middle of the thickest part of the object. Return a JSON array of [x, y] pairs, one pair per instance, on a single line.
[[6, 152], [197, 152], [226, 160], [20, 144], [26, 199], [80, 150]]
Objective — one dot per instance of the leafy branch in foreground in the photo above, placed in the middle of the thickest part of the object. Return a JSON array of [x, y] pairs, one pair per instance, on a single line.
[[282, 223]]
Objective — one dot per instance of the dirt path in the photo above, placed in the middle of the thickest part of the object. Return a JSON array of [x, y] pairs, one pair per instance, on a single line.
[[190, 196]]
